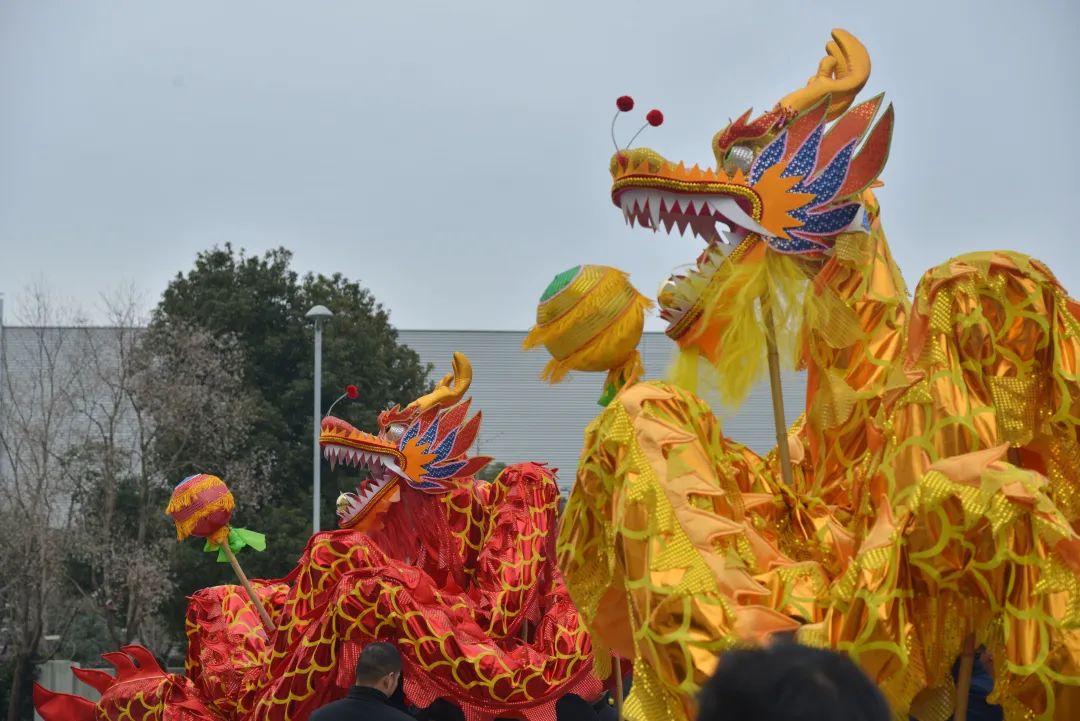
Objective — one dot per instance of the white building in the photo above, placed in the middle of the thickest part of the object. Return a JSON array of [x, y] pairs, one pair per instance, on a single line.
[[525, 419]]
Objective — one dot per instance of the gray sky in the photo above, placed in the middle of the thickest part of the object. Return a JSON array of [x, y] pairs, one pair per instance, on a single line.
[[453, 156]]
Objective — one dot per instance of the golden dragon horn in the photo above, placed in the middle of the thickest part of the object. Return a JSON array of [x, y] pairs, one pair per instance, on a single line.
[[450, 389], [841, 74]]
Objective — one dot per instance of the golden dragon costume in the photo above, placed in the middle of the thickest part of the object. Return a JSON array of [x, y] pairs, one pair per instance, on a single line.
[[934, 468], [458, 573]]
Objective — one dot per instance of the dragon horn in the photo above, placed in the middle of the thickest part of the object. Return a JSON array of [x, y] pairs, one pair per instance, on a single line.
[[450, 389], [841, 75]]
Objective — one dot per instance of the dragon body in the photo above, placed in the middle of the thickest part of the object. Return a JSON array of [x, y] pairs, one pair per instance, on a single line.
[[458, 573], [933, 497]]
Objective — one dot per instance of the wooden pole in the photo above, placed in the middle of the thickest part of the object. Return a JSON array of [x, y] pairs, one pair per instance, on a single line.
[[616, 674], [963, 682], [967, 659], [267, 623], [784, 453]]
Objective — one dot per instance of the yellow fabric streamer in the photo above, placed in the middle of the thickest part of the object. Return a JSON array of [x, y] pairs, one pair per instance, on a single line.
[[730, 333]]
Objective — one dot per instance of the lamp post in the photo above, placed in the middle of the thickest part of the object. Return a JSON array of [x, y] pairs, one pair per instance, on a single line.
[[318, 315]]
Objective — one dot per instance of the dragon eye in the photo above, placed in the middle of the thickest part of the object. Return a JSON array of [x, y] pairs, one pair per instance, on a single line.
[[739, 157], [395, 432]]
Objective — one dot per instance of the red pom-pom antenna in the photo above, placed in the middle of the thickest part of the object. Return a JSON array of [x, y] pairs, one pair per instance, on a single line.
[[653, 118], [625, 104], [351, 392]]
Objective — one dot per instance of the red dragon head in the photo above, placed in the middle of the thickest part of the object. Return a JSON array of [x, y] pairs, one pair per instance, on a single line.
[[423, 445], [786, 183]]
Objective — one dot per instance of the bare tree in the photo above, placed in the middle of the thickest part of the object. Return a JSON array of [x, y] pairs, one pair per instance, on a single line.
[[96, 426], [197, 413], [148, 398], [120, 568], [37, 425]]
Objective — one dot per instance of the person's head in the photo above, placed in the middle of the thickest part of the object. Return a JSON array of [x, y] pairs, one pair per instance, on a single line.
[[788, 682], [379, 667]]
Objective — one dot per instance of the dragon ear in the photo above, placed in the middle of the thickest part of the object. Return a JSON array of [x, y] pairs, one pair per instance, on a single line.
[[473, 466], [802, 127], [852, 126], [870, 161], [451, 419], [466, 436]]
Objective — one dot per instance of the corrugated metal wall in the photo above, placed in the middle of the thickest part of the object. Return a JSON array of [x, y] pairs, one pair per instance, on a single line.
[[528, 420], [524, 419]]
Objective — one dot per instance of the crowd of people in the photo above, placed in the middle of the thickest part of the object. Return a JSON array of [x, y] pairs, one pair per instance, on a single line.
[[781, 682]]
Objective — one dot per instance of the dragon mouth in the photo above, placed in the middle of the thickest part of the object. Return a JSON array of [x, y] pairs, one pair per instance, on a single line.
[[371, 493], [717, 219], [341, 443]]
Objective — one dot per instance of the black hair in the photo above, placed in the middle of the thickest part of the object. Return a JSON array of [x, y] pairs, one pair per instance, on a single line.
[[377, 660], [789, 682]]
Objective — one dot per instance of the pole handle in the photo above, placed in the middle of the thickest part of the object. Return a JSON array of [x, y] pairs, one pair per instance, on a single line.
[[782, 450], [255, 600], [963, 681], [616, 675]]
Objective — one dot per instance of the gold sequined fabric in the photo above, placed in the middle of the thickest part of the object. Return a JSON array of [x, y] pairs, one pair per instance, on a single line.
[[935, 473]]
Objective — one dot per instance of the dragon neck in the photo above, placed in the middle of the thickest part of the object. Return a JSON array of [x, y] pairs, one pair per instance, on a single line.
[[439, 532], [852, 344], [465, 513]]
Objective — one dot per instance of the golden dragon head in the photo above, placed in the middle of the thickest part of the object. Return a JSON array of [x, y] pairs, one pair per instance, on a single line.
[[786, 183], [424, 445]]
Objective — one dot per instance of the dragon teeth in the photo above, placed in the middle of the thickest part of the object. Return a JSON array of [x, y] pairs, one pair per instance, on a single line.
[[654, 212]]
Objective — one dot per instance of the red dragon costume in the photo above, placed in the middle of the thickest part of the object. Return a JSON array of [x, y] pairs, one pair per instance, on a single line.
[[458, 573]]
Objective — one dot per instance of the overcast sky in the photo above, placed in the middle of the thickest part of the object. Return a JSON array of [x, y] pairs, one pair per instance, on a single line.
[[452, 156]]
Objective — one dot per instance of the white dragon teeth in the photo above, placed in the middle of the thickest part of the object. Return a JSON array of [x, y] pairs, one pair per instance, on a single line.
[[654, 212], [653, 208]]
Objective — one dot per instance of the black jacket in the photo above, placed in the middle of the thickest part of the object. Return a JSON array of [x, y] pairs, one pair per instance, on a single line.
[[361, 704]]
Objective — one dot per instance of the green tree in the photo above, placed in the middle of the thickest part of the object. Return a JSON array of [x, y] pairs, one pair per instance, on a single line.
[[260, 303], [491, 471]]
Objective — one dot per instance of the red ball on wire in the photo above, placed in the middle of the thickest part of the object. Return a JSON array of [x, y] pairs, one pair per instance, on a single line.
[[655, 117], [352, 391], [625, 103]]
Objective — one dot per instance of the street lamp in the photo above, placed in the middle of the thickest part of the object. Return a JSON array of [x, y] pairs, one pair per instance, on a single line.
[[318, 315]]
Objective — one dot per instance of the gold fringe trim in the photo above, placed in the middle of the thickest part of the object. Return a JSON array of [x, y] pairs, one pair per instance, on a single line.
[[181, 501]]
